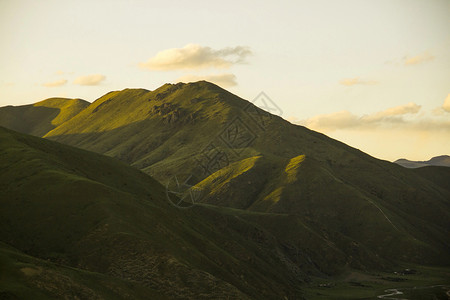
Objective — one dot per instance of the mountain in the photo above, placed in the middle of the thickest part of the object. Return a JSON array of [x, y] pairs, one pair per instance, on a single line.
[[39, 118], [443, 161], [244, 158], [320, 206]]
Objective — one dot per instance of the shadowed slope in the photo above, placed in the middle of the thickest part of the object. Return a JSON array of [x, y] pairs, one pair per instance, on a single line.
[[93, 213], [26, 277]]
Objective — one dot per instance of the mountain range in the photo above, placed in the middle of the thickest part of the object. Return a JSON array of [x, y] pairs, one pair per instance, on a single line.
[[189, 191], [442, 161]]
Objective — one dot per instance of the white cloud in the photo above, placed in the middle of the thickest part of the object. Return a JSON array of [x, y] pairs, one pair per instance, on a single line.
[[193, 57], [418, 59], [345, 119], [94, 79], [356, 80], [224, 80], [55, 83]]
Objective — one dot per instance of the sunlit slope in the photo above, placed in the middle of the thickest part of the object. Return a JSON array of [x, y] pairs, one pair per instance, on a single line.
[[402, 222], [90, 212], [41, 117], [145, 127]]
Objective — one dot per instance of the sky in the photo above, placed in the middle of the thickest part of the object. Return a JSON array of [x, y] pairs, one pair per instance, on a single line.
[[374, 74]]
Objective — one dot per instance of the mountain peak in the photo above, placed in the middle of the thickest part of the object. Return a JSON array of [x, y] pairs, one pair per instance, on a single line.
[[57, 102]]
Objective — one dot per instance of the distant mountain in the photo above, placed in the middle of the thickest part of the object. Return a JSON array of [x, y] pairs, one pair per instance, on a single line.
[[285, 178], [41, 117], [443, 161]]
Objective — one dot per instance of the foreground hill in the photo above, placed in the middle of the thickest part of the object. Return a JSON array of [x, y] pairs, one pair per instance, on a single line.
[[81, 225], [442, 161], [39, 118]]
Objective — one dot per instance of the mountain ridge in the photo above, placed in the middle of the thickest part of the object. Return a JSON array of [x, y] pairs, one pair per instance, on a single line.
[[441, 161], [237, 154]]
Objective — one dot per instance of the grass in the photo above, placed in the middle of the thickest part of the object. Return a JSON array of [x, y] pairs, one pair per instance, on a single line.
[[27, 277], [90, 213], [298, 191], [358, 285], [167, 132]]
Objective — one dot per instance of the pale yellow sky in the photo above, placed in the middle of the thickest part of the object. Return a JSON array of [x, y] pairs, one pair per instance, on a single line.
[[374, 73]]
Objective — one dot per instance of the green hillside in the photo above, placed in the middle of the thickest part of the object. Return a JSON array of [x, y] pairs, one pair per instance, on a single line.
[[79, 219], [39, 118], [278, 207], [265, 164]]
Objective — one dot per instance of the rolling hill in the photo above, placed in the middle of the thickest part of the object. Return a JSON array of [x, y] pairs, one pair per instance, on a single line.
[[78, 224], [323, 205]]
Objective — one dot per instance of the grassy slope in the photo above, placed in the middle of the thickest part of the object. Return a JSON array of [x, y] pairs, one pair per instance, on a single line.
[[438, 175], [26, 277], [92, 213], [143, 127], [341, 192], [39, 118]]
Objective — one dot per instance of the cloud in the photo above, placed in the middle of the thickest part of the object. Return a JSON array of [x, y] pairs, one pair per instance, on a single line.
[[224, 80], [331, 122], [60, 73], [346, 120], [410, 108], [418, 59], [292, 119], [446, 105], [55, 83], [445, 108], [194, 57], [94, 79], [356, 80]]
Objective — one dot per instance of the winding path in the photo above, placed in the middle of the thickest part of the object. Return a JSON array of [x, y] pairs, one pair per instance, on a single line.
[[395, 292], [391, 292]]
